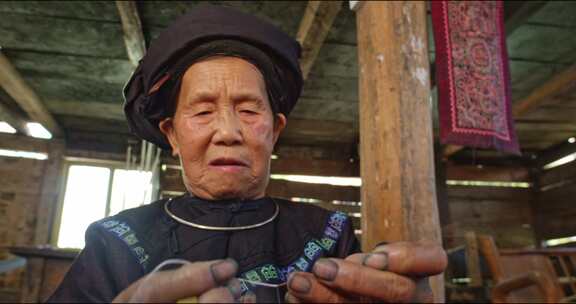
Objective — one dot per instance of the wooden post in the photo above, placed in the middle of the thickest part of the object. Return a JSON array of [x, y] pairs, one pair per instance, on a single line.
[[396, 141], [51, 189]]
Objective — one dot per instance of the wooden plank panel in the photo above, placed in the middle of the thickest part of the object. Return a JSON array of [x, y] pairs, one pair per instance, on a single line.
[[544, 126], [61, 35], [76, 89], [91, 10], [319, 130], [551, 113], [342, 168], [488, 193], [50, 65], [556, 13], [327, 152], [342, 208], [566, 172], [537, 42], [287, 189], [487, 173]]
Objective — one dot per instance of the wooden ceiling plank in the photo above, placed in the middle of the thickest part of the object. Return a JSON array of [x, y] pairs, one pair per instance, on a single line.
[[314, 27], [538, 97], [519, 12], [132, 27], [15, 85]]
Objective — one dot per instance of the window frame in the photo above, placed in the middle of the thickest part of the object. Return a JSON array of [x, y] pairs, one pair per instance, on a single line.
[[80, 161]]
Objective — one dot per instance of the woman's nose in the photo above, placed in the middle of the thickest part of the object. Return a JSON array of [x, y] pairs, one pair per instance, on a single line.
[[228, 130]]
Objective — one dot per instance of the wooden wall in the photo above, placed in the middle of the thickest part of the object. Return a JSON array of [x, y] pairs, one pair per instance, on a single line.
[[28, 189], [505, 213], [21, 181], [555, 208]]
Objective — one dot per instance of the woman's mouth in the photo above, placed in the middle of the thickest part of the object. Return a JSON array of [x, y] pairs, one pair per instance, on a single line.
[[228, 164]]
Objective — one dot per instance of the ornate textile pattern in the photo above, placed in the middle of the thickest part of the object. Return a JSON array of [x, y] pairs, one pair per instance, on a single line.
[[313, 250], [472, 75], [124, 233]]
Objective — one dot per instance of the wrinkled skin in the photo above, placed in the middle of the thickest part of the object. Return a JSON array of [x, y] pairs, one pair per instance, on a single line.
[[223, 113]]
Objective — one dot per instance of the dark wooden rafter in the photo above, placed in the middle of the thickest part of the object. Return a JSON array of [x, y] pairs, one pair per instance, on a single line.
[[132, 27], [15, 85], [516, 13], [12, 118], [314, 27]]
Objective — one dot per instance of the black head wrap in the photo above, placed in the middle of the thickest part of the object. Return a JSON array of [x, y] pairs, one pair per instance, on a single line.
[[208, 31]]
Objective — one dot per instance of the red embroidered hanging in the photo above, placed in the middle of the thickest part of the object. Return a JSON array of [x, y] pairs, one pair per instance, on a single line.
[[472, 75]]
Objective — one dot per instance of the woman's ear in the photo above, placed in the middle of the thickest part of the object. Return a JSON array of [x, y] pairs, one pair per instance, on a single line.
[[279, 125], [167, 128]]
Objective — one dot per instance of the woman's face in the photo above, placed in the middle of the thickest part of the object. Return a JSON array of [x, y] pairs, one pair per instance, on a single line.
[[223, 130]]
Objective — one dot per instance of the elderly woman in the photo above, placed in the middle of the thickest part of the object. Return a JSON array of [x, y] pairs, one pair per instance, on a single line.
[[216, 88]]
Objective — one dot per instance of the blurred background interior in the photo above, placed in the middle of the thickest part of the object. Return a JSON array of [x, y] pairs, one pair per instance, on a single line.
[[68, 159]]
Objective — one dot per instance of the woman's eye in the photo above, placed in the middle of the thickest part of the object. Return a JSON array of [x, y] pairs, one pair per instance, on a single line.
[[247, 112], [203, 113]]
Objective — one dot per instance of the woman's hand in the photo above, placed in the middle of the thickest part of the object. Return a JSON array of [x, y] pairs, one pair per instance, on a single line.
[[205, 281], [396, 272]]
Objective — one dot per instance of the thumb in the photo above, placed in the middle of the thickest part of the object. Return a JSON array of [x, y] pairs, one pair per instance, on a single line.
[[187, 281]]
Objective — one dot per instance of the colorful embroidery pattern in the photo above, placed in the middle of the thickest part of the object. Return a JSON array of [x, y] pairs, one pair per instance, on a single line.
[[313, 250], [472, 74], [123, 232]]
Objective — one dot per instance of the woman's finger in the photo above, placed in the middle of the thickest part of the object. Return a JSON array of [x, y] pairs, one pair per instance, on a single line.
[[187, 281], [303, 287], [290, 298], [414, 258], [227, 294], [352, 278], [406, 258]]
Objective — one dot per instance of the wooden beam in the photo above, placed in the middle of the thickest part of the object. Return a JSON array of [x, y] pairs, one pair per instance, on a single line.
[[25, 97], [132, 27], [13, 119], [314, 28], [24, 143], [396, 148]]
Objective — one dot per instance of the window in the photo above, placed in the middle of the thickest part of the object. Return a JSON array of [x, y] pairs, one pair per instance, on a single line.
[[94, 192]]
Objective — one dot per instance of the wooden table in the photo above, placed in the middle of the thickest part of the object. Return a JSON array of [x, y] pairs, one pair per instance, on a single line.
[[45, 269]]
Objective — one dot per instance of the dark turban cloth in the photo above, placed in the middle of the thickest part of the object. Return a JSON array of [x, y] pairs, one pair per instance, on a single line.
[[207, 31]]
